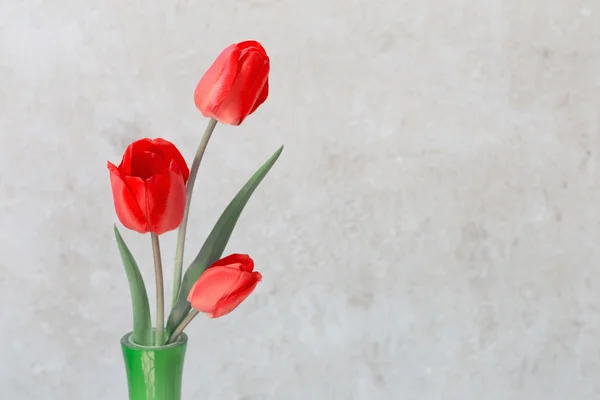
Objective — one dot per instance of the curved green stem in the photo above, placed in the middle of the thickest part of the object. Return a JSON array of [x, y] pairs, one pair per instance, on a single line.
[[188, 318], [183, 227], [160, 292]]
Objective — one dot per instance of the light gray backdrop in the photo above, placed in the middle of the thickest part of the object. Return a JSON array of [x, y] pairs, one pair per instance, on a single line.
[[431, 231]]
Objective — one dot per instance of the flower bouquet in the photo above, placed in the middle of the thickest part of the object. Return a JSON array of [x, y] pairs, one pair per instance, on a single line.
[[152, 190]]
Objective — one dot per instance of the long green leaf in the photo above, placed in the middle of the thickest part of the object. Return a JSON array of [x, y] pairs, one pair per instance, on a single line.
[[214, 245], [142, 324]]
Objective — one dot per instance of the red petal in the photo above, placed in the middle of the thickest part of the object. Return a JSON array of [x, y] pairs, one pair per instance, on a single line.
[[243, 260], [126, 205], [165, 201], [212, 286], [135, 148], [231, 302], [147, 164], [262, 97], [246, 90], [252, 44], [169, 153], [137, 187], [216, 83]]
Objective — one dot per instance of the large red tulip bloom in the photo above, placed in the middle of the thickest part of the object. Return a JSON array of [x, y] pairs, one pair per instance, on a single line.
[[149, 186], [224, 285], [235, 84]]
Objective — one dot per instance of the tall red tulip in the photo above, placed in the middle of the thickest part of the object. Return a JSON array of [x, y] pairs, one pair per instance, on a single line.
[[235, 84], [149, 186], [224, 285]]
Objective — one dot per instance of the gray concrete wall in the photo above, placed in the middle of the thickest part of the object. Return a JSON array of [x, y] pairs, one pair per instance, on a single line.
[[431, 231]]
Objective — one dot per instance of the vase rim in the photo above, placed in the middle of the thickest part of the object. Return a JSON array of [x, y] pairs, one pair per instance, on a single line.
[[127, 341]]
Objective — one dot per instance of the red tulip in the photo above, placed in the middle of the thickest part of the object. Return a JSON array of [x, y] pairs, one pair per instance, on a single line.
[[235, 84], [149, 186], [224, 285]]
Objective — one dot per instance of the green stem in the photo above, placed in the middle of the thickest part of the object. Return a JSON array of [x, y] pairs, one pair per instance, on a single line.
[[188, 318], [160, 292], [183, 227]]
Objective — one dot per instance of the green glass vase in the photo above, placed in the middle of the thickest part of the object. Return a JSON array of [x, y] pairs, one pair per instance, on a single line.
[[154, 373]]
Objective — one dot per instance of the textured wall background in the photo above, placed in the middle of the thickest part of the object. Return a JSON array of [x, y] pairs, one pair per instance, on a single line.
[[431, 231]]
